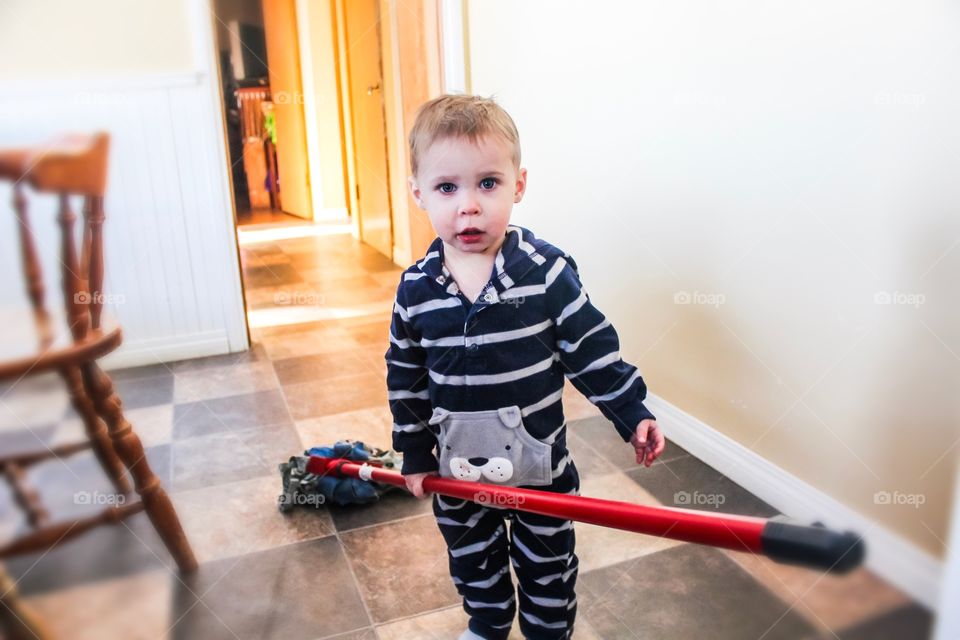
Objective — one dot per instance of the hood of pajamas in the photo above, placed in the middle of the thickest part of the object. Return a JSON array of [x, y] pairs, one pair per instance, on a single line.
[[532, 326]]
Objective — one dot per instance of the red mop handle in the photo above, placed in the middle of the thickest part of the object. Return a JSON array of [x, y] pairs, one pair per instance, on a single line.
[[813, 546]]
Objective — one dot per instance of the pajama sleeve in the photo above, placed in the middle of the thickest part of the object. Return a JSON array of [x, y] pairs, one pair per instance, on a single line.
[[589, 351], [408, 393]]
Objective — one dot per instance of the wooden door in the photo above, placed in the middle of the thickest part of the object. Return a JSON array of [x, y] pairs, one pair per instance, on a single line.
[[362, 22], [283, 61]]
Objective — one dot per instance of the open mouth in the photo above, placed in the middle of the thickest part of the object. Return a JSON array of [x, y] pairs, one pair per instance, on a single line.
[[470, 234]]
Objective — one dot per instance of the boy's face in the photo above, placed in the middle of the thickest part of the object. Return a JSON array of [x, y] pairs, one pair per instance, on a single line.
[[468, 190]]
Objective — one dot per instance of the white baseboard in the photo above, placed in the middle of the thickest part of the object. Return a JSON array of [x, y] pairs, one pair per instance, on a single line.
[[890, 556], [182, 347]]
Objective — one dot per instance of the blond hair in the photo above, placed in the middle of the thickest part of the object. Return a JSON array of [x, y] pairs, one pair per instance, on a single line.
[[454, 116]]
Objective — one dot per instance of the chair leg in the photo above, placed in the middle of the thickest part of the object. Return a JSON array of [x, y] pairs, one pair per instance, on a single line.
[[17, 620], [96, 431], [156, 502]]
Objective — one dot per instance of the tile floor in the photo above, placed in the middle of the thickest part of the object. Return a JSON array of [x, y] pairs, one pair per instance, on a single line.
[[216, 428]]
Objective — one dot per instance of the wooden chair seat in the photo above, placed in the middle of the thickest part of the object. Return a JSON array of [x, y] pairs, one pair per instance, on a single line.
[[36, 345]]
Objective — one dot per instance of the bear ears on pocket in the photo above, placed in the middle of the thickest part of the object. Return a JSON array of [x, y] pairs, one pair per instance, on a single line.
[[510, 416], [438, 415]]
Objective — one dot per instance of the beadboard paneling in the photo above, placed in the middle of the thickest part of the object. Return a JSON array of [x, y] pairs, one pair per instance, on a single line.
[[172, 274]]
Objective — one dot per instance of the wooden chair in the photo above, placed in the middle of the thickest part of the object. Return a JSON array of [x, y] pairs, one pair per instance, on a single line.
[[70, 342]]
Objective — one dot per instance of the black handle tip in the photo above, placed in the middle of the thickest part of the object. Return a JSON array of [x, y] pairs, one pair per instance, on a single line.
[[812, 546]]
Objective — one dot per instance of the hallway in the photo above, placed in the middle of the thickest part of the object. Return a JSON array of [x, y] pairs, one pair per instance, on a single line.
[[216, 428]]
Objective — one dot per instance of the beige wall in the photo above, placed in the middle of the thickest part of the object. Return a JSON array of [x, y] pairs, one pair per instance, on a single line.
[[54, 37], [781, 163]]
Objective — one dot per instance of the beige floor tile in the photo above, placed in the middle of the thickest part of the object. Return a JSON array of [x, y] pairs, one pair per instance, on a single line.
[[257, 334], [829, 602], [373, 427], [383, 317], [401, 567], [337, 395], [583, 631], [445, 624], [218, 382], [305, 343], [448, 624], [33, 401], [330, 365], [234, 519], [287, 295], [437, 625], [389, 279], [375, 334], [137, 607], [152, 424], [357, 282], [599, 547], [251, 259]]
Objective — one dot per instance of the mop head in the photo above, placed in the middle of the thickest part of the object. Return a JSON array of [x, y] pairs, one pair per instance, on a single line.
[[301, 488]]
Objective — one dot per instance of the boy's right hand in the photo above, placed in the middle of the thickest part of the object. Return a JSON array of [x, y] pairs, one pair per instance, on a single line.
[[415, 484]]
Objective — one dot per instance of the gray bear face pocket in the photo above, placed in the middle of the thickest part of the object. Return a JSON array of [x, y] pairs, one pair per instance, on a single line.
[[491, 446]]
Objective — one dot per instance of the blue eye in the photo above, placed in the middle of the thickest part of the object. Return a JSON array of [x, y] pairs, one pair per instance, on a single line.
[[446, 187], [488, 183]]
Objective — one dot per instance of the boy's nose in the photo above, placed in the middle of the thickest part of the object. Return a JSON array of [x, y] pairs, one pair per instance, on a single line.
[[469, 206]]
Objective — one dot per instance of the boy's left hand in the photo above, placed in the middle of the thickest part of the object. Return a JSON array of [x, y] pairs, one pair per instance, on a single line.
[[648, 441]]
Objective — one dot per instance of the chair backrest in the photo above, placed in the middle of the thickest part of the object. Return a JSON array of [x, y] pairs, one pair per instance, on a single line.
[[73, 165]]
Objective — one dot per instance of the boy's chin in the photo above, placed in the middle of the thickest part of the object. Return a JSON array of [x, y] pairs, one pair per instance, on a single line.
[[484, 245]]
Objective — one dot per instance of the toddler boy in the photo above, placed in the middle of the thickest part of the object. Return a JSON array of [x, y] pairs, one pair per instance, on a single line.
[[485, 328]]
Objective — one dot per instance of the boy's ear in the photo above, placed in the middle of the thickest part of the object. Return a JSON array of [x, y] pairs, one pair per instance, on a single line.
[[415, 190], [521, 186]]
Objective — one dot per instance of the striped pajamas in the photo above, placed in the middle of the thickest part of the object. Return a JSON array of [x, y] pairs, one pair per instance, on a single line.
[[478, 386], [480, 548]]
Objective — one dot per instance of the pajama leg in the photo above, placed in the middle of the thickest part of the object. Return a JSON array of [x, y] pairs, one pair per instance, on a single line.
[[542, 553], [476, 540]]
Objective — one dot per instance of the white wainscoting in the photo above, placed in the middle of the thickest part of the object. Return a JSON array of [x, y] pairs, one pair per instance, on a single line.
[[172, 267]]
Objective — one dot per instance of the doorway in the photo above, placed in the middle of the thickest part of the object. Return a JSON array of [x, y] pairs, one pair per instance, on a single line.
[[305, 122]]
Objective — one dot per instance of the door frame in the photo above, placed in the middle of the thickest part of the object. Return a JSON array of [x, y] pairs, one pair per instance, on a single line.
[[203, 40]]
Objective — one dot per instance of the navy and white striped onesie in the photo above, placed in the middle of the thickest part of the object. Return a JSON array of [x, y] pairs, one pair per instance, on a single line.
[[484, 380]]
